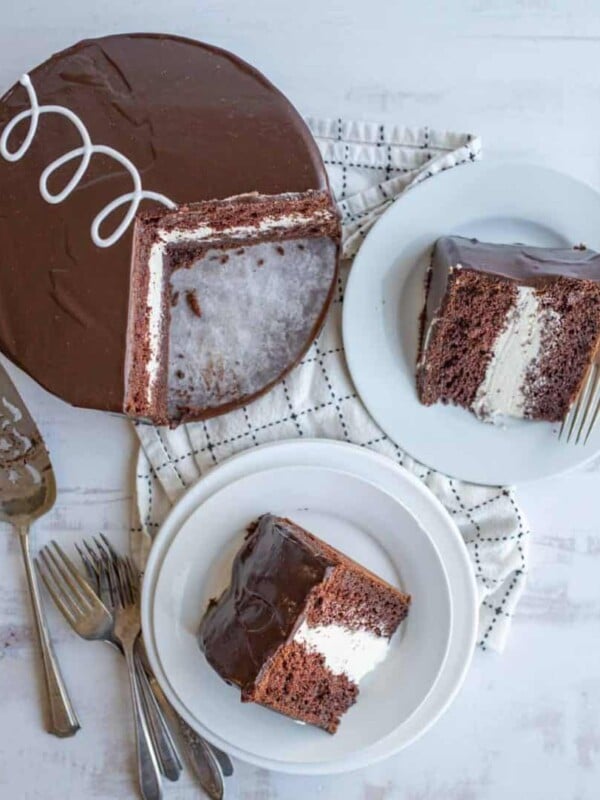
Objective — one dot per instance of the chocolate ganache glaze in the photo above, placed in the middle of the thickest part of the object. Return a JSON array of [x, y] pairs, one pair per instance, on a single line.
[[197, 123], [271, 578], [522, 263]]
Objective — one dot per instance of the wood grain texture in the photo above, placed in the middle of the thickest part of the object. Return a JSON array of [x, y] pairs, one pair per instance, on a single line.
[[523, 74]]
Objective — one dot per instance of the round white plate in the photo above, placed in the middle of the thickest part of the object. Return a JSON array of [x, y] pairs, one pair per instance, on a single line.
[[418, 500], [366, 523], [384, 298]]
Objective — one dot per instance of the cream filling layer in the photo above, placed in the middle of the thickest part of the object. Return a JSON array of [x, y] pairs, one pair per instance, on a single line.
[[516, 350], [353, 653]]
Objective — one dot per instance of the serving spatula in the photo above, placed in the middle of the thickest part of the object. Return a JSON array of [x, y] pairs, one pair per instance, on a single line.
[[27, 491]]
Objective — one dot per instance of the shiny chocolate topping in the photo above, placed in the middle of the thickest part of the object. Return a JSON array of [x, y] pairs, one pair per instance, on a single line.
[[519, 261], [197, 123], [516, 262], [271, 578]]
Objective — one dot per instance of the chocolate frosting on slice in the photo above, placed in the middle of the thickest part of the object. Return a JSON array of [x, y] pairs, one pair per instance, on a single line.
[[272, 576], [196, 121], [520, 262], [515, 262]]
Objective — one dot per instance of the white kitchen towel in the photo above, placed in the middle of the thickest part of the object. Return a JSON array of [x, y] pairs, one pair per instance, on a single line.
[[369, 166]]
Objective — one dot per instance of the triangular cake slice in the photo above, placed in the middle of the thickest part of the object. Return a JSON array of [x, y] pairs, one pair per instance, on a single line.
[[226, 296], [300, 624]]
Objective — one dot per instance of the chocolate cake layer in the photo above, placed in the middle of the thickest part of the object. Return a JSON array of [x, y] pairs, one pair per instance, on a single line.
[[300, 624], [226, 297], [508, 330], [196, 122]]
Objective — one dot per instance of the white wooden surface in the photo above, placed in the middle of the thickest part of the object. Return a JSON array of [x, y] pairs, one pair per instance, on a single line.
[[522, 73]]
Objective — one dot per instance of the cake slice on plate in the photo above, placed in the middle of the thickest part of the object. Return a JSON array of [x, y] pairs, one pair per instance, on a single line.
[[508, 330], [300, 624], [226, 296]]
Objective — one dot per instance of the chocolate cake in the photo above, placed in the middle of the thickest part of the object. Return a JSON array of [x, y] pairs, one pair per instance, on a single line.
[[300, 625], [225, 295], [508, 330], [169, 121]]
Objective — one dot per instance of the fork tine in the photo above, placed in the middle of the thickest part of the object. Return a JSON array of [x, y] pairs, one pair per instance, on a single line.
[[124, 584], [96, 560], [111, 550], [133, 574], [91, 551], [88, 565], [89, 594], [65, 572], [583, 414], [594, 419], [85, 555], [103, 551], [109, 570], [594, 403], [113, 582], [57, 589], [573, 414], [95, 556], [586, 400]]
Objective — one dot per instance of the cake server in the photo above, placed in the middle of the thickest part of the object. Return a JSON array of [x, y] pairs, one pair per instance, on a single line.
[[27, 492]]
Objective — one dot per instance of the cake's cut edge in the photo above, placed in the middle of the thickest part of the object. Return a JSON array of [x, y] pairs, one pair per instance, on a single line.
[[167, 242], [296, 682], [508, 330]]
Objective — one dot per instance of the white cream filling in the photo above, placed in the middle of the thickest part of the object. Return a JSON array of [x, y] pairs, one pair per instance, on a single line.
[[154, 300], [346, 652], [515, 351]]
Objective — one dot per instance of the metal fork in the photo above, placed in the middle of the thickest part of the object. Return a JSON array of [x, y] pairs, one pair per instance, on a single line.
[[95, 563], [208, 763], [127, 630], [88, 615], [579, 423], [96, 623]]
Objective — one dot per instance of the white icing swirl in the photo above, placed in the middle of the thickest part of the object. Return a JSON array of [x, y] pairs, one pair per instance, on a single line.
[[85, 153]]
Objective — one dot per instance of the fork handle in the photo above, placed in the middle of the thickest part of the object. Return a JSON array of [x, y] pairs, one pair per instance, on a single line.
[[148, 770], [169, 762], [207, 765], [62, 720]]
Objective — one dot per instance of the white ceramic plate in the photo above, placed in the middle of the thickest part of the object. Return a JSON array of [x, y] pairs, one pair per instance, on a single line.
[[362, 520], [384, 297], [419, 501]]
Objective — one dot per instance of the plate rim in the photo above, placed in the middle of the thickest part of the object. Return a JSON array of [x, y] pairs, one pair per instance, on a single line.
[[317, 764], [352, 301], [347, 451]]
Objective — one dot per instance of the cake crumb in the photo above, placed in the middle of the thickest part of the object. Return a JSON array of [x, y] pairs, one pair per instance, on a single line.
[[193, 302]]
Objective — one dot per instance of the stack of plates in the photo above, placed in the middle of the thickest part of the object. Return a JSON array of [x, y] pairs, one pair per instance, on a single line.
[[369, 508]]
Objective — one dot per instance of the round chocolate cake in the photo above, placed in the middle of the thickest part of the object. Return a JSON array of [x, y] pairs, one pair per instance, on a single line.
[[99, 131]]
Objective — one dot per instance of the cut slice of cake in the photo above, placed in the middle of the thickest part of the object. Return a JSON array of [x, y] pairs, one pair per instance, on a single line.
[[508, 330], [300, 624], [226, 296]]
